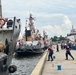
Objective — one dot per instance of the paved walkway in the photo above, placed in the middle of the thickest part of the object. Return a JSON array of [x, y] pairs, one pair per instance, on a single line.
[[68, 67]]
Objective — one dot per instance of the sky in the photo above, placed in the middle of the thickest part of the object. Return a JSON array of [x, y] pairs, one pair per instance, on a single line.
[[56, 17]]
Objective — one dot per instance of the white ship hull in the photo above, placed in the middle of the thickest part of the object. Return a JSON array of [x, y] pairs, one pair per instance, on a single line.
[[8, 38]]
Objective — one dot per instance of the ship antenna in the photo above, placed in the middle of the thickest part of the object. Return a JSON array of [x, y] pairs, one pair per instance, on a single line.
[[31, 23], [26, 30], [72, 27], [26, 23]]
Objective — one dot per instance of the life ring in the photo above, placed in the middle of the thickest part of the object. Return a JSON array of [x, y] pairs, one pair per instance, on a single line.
[[2, 22], [12, 68]]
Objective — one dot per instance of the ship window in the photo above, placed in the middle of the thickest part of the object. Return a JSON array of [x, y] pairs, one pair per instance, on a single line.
[[28, 33], [9, 23]]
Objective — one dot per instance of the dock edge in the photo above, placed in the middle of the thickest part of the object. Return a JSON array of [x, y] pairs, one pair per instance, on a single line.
[[39, 67]]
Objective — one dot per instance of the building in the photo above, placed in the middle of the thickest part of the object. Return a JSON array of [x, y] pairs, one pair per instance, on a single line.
[[72, 35]]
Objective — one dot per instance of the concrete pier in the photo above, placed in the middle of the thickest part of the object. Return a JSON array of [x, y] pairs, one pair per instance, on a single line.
[[39, 67], [68, 67]]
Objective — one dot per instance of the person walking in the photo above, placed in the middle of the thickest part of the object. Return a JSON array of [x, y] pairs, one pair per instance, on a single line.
[[57, 48], [68, 48], [50, 50]]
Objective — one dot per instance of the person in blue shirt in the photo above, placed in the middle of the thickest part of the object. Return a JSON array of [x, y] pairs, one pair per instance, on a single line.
[[68, 48]]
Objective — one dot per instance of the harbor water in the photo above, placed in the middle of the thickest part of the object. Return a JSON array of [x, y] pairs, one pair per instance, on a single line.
[[25, 64]]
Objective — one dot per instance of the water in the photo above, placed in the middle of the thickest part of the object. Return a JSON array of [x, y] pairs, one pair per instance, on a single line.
[[25, 64]]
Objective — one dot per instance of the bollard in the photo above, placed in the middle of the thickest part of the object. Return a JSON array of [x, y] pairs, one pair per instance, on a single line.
[[59, 67]]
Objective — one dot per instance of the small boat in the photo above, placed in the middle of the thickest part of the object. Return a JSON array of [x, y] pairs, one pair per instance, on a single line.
[[31, 41], [9, 33]]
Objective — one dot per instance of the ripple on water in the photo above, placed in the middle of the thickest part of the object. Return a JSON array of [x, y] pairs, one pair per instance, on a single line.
[[25, 64]]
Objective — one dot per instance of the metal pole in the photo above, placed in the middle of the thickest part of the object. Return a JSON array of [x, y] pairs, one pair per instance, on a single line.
[[0, 9], [26, 33]]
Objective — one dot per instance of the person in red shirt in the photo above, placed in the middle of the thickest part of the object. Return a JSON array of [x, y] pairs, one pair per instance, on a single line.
[[50, 50]]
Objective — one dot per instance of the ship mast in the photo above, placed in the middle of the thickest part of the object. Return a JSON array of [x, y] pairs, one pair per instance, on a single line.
[[31, 23], [72, 27], [0, 9]]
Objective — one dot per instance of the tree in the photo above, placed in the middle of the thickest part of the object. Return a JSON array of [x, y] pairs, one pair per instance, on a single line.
[[55, 38]]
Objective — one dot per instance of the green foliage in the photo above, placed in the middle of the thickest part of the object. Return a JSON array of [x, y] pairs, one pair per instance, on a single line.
[[55, 38]]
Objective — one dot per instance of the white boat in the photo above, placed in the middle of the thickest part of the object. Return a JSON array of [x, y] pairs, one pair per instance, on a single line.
[[9, 33], [32, 41]]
